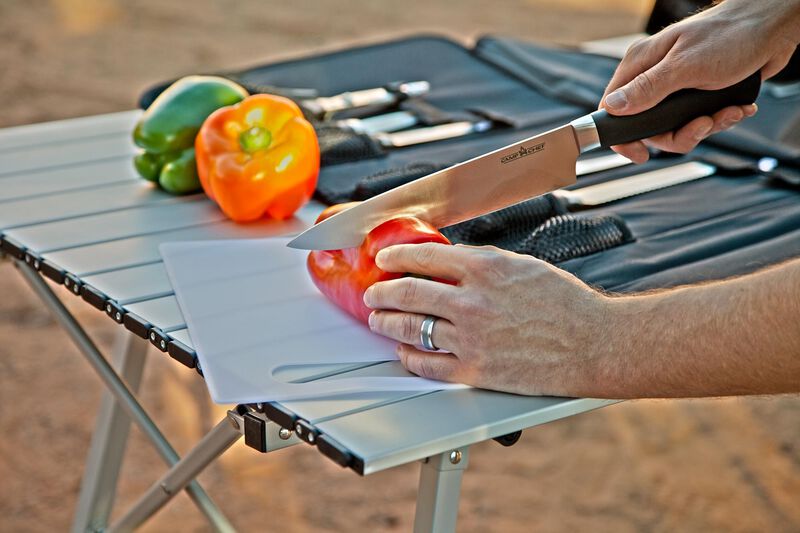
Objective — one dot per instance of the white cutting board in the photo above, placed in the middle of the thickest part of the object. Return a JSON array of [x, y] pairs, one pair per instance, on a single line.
[[252, 310]]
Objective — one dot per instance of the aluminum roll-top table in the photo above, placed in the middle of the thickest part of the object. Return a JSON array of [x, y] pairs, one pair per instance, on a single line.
[[73, 211]]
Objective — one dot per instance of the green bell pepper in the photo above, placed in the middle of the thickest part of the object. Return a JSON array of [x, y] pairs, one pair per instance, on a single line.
[[167, 130]]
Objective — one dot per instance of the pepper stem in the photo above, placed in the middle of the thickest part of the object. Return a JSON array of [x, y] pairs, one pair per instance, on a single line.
[[254, 139]]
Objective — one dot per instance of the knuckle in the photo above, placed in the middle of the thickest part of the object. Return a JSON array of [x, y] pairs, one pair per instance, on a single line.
[[381, 321], [460, 306], [472, 307], [493, 264], [409, 290], [426, 367], [425, 254], [644, 84], [408, 328], [638, 47]]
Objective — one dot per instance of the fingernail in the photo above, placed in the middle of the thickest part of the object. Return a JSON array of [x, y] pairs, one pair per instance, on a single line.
[[368, 298], [617, 100], [371, 320], [702, 133]]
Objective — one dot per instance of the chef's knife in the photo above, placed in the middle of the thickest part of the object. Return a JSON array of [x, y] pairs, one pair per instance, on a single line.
[[428, 134], [611, 191], [388, 122], [390, 178], [522, 170], [392, 93]]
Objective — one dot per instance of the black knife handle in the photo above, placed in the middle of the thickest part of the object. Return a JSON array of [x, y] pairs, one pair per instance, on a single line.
[[673, 112]]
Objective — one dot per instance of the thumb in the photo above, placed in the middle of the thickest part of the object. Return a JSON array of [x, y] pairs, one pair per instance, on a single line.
[[644, 91]]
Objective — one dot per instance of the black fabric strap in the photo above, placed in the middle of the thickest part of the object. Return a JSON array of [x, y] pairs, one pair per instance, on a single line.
[[508, 227], [341, 145], [388, 179]]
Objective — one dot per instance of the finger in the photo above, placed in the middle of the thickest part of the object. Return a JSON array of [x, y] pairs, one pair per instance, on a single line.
[[647, 89], [727, 118], [426, 259], [413, 295], [750, 110], [635, 151], [406, 328], [685, 139], [640, 57], [431, 365]]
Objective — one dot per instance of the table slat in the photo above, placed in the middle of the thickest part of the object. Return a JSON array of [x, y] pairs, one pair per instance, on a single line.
[[104, 227], [398, 433], [133, 284], [163, 313], [66, 130], [69, 152], [112, 197], [137, 250], [56, 180]]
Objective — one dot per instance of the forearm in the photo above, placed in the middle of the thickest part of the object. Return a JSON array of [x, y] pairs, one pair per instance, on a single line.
[[732, 337]]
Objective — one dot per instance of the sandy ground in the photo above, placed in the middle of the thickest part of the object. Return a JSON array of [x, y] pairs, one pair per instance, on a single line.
[[713, 465]]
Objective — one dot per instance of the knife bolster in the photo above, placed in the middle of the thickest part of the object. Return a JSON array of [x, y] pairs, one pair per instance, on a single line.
[[586, 133]]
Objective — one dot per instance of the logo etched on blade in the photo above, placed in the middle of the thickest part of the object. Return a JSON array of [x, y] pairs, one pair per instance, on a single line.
[[522, 152]]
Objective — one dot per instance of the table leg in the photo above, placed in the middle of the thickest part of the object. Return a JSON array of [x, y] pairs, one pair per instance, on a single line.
[[121, 392], [439, 491], [103, 463], [182, 473]]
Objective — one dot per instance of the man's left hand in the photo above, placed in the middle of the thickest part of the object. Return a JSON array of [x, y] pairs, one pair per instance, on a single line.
[[511, 322]]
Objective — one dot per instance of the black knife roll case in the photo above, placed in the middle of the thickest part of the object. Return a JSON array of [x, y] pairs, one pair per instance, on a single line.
[[733, 222]]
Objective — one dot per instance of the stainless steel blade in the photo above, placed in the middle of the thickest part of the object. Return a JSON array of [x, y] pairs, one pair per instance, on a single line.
[[486, 183], [388, 122], [611, 191], [601, 163], [431, 133]]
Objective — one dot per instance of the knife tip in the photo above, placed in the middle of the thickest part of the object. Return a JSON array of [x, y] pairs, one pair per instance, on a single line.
[[295, 244]]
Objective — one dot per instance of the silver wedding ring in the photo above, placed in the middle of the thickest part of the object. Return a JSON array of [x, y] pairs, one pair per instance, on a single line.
[[426, 332]]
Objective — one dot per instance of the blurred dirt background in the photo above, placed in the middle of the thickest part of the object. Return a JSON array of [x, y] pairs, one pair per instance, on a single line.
[[712, 465]]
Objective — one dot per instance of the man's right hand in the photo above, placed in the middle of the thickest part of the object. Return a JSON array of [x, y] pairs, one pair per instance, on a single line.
[[711, 50]]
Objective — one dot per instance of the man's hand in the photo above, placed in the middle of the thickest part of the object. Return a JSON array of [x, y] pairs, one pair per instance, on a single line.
[[711, 50], [516, 324], [512, 322]]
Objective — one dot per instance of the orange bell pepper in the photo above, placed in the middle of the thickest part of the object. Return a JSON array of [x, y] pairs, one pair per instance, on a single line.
[[258, 157], [344, 275]]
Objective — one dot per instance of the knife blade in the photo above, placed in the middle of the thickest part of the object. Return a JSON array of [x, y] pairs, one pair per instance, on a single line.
[[431, 133], [508, 227], [519, 171], [388, 122], [611, 191]]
